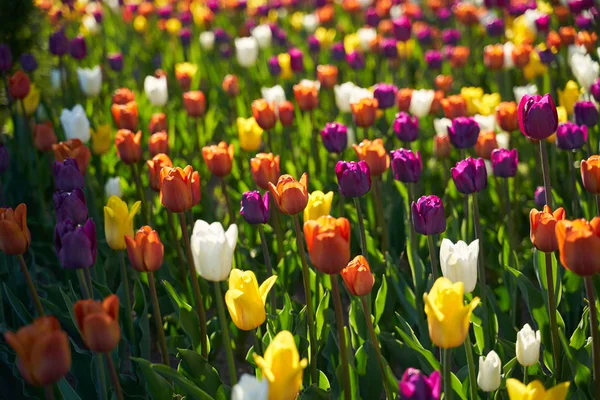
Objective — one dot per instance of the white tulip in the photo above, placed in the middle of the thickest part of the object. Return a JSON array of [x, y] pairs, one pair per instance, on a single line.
[[90, 24], [75, 123], [342, 96], [275, 95], [113, 5], [459, 262], [420, 102], [55, 79], [486, 123], [520, 91], [207, 40], [156, 90], [396, 12], [528, 346], [364, 4], [508, 60], [488, 378], [250, 388], [441, 125], [530, 16], [488, 168], [365, 37], [310, 22], [585, 70], [263, 35], [113, 187], [503, 140], [308, 82], [358, 93], [90, 80], [246, 51], [213, 249]]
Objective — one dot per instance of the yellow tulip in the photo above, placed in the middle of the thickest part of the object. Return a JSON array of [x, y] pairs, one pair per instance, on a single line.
[[173, 26], [32, 100], [351, 42], [319, 204], [140, 24], [325, 36], [521, 33], [296, 20], [447, 315], [487, 104], [405, 49], [250, 134], [286, 65], [101, 139], [535, 390], [568, 97], [199, 12], [245, 300], [186, 68], [534, 68], [118, 222], [273, 16], [545, 8], [282, 367], [470, 94], [562, 114]]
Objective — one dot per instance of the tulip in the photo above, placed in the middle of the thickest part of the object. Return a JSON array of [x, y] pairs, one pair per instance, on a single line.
[[584, 69], [447, 316], [354, 178], [538, 118], [441, 145], [265, 169], [263, 36], [250, 388], [342, 96], [78, 48], [154, 168], [231, 85], [490, 369], [590, 174], [113, 187], [179, 188], [58, 43], [184, 73], [194, 103], [19, 85], [125, 115], [158, 143], [364, 112], [464, 132], [156, 90], [246, 300], [402, 28], [70, 205], [158, 123], [123, 96], [128, 146], [421, 103], [90, 80], [406, 165], [595, 90], [406, 127], [505, 162], [207, 40], [76, 245], [296, 60], [454, 106], [118, 222], [73, 149], [586, 113], [273, 96], [101, 139], [145, 250], [428, 215], [578, 244], [264, 114], [486, 144], [357, 276], [507, 116], [319, 204], [75, 123], [67, 176], [570, 136], [374, 154], [43, 351], [115, 61], [335, 137], [543, 226], [470, 175], [459, 262], [307, 94], [327, 75], [417, 386], [250, 134], [218, 159], [14, 234], [32, 100], [246, 51], [328, 242], [212, 248], [535, 390], [540, 197], [285, 378], [255, 208], [286, 113], [44, 136], [98, 323], [385, 95], [528, 346], [569, 96]]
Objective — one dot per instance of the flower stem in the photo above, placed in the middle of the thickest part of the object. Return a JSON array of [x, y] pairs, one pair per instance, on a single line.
[[339, 322], [225, 332], [377, 183], [471, 367], [127, 295], [140, 189], [257, 345], [552, 311], [31, 286], [158, 320], [525, 375], [309, 306], [180, 257], [546, 173], [85, 292], [598, 203], [389, 393], [589, 287], [463, 155], [447, 370], [265, 249], [361, 226], [113, 376], [433, 257], [195, 287], [572, 177], [227, 201], [49, 392], [481, 258], [510, 222]]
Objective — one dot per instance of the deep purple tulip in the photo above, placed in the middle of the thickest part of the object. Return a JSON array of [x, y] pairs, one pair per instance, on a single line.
[[255, 208], [70, 205], [213, 5], [4, 158], [76, 245], [221, 36], [185, 36], [5, 58], [504, 162], [516, 9], [58, 43], [274, 67], [495, 3], [242, 5], [538, 118], [470, 175], [547, 57], [584, 23], [320, 3], [296, 60], [355, 60], [371, 17], [495, 27], [406, 127], [443, 14], [428, 215], [385, 95], [451, 36], [433, 58], [402, 28], [28, 62], [98, 14], [595, 90], [115, 61], [354, 178], [586, 113], [338, 52], [164, 12], [225, 50], [157, 61], [313, 45], [78, 48], [335, 137], [262, 10], [67, 176], [389, 48], [280, 37], [464, 132], [540, 197], [417, 386], [542, 23], [406, 165], [570, 136], [424, 36]]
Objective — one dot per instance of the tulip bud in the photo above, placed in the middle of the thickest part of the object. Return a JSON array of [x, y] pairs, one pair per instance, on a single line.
[[540, 197], [319, 204], [505, 162], [364, 112], [158, 143], [264, 113], [464, 132], [250, 388], [115, 61], [212, 249], [58, 43], [218, 159], [470, 175], [595, 90], [528, 346], [455, 106], [14, 234], [158, 123], [74, 149], [67, 176], [354, 178], [590, 174], [179, 188], [490, 368], [194, 103], [428, 215], [374, 154], [231, 86], [406, 165], [406, 127], [327, 76], [286, 113], [578, 244], [78, 48], [417, 386], [307, 94], [90, 80], [486, 143], [70, 205], [291, 196], [328, 242], [44, 136], [98, 323], [265, 169], [543, 226], [402, 28], [570, 136], [145, 251], [441, 145], [76, 123], [118, 222], [19, 85], [156, 90], [586, 113], [385, 95], [507, 116], [125, 115], [113, 187], [255, 208], [76, 245], [123, 96], [296, 60], [358, 277], [335, 137], [128, 146], [459, 262], [246, 300], [28, 62], [538, 118]]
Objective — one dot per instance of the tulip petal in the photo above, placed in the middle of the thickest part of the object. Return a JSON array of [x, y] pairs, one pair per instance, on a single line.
[[266, 286]]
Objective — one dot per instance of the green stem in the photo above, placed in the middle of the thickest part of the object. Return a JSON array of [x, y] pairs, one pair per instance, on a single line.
[[88, 280], [49, 392], [31, 286], [510, 222], [225, 332], [275, 224], [553, 322], [85, 292], [309, 306], [433, 257], [589, 287], [140, 189], [377, 183], [525, 375], [265, 249], [113, 376], [447, 371], [463, 155], [127, 295], [361, 230], [255, 338], [227, 201], [162, 341], [101, 376], [481, 258], [339, 322], [546, 173], [471, 366], [180, 257]]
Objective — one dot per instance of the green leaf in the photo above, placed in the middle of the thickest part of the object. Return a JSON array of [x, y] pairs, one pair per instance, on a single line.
[[141, 309], [322, 313], [67, 391], [314, 392], [158, 387], [187, 317], [194, 367], [370, 380], [409, 338], [17, 306], [184, 383], [380, 300]]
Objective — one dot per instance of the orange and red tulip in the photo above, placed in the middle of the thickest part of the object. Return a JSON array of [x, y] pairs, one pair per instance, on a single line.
[[264, 114], [154, 167], [307, 95], [145, 250], [590, 174], [542, 228], [358, 277], [328, 242], [374, 154], [158, 122], [128, 146], [579, 245], [179, 188], [265, 169], [75, 149], [125, 115], [290, 195], [14, 234], [98, 323], [194, 103], [44, 136], [158, 143]]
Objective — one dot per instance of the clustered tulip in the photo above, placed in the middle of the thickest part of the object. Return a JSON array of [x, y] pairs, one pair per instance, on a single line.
[[505, 162], [570, 136], [358, 277], [543, 226], [179, 188], [265, 169], [374, 154], [354, 178], [319, 204], [415, 385], [335, 137], [406, 127], [459, 262], [528, 346], [290, 195], [145, 250], [218, 159], [538, 118]]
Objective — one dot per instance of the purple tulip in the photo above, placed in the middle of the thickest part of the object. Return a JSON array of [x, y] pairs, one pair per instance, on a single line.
[[98, 14], [586, 113], [274, 67], [443, 14], [584, 23], [225, 51], [296, 60], [417, 386], [70, 205], [221, 36], [516, 9], [5, 58], [313, 45], [406, 127], [58, 43], [547, 57], [540, 197], [164, 12], [451, 36], [78, 48], [335, 137], [504, 162], [75, 245], [542, 23], [185, 36], [115, 61], [402, 28], [385, 95], [4, 158], [213, 5], [255, 208], [428, 215], [28, 62], [280, 37], [406, 165], [320, 3], [570, 136], [595, 90], [355, 60], [464, 132], [354, 178], [389, 48], [495, 3], [495, 27], [470, 175], [538, 118], [433, 58], [424, 36], [67, 176], [371, 17], [338, 52]]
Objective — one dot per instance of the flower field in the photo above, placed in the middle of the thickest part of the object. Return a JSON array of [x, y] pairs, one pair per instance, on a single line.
[[285, 199]]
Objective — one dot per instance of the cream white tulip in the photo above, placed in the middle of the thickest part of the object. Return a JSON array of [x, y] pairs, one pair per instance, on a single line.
[[250, 388], [113, 187], [358, 93], [75, 123], [364, 4], [459, 262], [156, 90], [263, 35], [508, 60], [310, 22], [520, 91], [503, 140], [440, 125], [486, 122], [246, 51], [365, 37], [90, 80], [585, 70], [274, 95], [490, 368], [90, 24], [207, 40], [342, 96], [420, 102], [212, 249], [528, 346]]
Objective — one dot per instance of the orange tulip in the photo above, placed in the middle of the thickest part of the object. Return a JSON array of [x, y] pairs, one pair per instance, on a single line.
[[307, 95], [579, 245], [590, 174], [403, 98], [507, 117], [542, 228], [123, 96], [158, 143], [179, 188], [444, 82], [459, 56], [562, 13], [328, 242], [146, 9], [264, 114], [587, 40], [265, 169], [158, 122], [290, 195], [486, 143], [145, 251], [441, 146], [466, 13], [14, 234], [521, 55], [19, 85], [358, 277], [286, 113], [231, 85], [493, 56], [553, 40], [374, 154], [364, 112], [218, 159], [98, 323], [73, 148], [125, 115], [128, 146], [436, 104], [454, 106], [567, 35], [44, 355], [194, 103], [44, 136], [327, 75], [154, 167]]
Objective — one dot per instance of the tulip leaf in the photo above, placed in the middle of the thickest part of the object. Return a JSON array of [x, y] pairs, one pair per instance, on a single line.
[[194, 367], [313, 392], [370, 381], [582, 372], [323, 381], [141, 309], [380, 300], [580, 335], [187, 318], [186, 385], [322, 313], [408, 336], [17, 306], [539, 264], [67, 391], [156, 385]]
